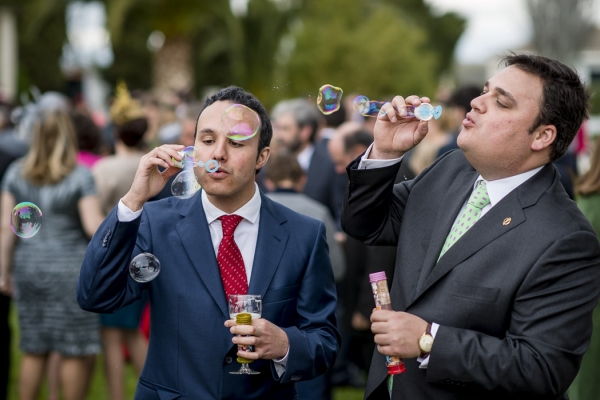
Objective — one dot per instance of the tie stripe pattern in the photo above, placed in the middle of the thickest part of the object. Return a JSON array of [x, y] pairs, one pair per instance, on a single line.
[[478, 200], [229, 258]]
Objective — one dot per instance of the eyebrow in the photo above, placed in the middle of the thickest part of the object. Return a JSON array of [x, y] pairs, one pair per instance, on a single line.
[[205, 131], [502, 92]]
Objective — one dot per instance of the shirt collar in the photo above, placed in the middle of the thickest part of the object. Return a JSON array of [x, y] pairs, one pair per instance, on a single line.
[[499, 188], [248, 211]]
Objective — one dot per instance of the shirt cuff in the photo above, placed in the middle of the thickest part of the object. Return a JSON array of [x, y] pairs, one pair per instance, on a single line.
[[124, 213], [365, 163], [425, 361], [280, 363]]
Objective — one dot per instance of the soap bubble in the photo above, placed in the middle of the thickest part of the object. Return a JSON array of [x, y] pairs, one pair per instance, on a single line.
[[240, 122], [371, 108], [26, 220], [185, 184], [329, 99], [366, 107], [144, 267]]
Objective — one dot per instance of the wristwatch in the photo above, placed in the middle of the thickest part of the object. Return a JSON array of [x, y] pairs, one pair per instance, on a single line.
[[426, 342]]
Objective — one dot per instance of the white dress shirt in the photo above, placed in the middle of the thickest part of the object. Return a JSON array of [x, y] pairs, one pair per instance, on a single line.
[[245, 235], [497, 190], [305, 156]]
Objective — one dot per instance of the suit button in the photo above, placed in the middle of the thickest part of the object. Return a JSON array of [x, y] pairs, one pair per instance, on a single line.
[[228, 360], [295, 378]]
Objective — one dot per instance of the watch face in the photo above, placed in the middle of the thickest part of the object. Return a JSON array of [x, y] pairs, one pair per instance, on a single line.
[[425, 343]]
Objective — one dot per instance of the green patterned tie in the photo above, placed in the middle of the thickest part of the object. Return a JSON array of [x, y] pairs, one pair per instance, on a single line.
[[479, 199]]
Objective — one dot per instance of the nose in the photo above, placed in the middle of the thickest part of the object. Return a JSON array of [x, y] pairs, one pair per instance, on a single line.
[[220, 149], [478, 104]]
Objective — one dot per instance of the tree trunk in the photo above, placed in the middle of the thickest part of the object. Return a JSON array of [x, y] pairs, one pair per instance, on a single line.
[[173, 67]]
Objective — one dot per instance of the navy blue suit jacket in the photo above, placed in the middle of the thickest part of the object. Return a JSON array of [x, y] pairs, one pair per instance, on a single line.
[[190, 351]]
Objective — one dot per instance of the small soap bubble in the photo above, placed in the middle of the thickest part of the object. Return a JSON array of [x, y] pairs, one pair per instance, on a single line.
[[26, 220], [366, 107], [144, 267], [240, 122], [185, 184], [329, 99]]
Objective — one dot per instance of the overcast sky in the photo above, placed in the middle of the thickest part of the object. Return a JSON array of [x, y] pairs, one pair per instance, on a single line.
[[493, 26]]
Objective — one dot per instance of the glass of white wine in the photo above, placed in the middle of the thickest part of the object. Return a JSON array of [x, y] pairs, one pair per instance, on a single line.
[[249, 304]]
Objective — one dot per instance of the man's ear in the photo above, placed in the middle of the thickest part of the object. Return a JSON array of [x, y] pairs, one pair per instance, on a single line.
[[262, 158], [543, 138]]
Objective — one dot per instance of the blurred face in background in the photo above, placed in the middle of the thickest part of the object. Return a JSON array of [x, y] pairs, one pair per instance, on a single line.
[[289, 135], [188, 129]]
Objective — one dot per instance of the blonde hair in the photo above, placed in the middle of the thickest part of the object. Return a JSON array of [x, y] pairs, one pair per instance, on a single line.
[[589, 183], [53, 152]]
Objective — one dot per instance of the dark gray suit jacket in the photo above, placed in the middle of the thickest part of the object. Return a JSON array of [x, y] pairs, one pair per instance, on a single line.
[[514, 301]]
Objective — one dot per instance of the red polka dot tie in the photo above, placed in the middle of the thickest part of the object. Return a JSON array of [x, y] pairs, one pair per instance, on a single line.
[[229, 257]]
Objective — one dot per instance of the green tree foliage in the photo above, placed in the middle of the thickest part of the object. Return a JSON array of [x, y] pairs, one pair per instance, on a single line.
[[278, 49], [240, 50], [41, 34], [442, 31], [372, 50]]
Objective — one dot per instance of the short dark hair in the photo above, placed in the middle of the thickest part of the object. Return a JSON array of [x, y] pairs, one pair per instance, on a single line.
[[564, 102], [238, 95], [88, 134], [360, 137], [283, 166], [132, 132]]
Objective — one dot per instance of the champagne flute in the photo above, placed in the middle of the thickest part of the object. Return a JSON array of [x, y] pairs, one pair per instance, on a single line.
[[243, 308]]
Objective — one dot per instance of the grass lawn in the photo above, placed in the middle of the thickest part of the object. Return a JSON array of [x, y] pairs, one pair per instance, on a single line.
[[98, 388]]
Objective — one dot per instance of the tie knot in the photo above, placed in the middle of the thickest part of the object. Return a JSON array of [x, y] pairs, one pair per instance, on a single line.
[[229, 223], [479, 198]]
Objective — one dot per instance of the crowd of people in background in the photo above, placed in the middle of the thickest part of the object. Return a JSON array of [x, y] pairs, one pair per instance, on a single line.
[[76, 166]]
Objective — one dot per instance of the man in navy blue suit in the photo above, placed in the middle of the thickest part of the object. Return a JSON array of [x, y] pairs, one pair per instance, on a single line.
[[283, 256]]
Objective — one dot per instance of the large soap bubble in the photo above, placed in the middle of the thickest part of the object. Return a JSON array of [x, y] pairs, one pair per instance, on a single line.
[[144, 267], [240, 122], [26, 220], [329, 99]]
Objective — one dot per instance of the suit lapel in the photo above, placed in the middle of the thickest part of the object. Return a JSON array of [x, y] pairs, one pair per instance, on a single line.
[[195, 236], [453, 201], [488, 228], [272, 239]]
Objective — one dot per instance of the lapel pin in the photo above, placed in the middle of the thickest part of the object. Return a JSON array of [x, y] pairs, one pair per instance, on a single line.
[[506, 221]]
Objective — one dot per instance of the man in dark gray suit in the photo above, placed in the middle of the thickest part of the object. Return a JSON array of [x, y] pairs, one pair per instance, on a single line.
[[497, 271]]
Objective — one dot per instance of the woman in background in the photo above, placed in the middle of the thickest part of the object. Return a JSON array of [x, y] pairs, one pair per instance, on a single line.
[[586, 385], [45, 267]]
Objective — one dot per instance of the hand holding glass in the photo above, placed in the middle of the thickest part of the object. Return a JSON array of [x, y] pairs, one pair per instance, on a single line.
[[243, 308]]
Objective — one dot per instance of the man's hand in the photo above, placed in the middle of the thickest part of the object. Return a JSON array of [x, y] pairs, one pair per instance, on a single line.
[[148, 180], [6, 284], [395, 133], [397, 333], [268, 339]]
